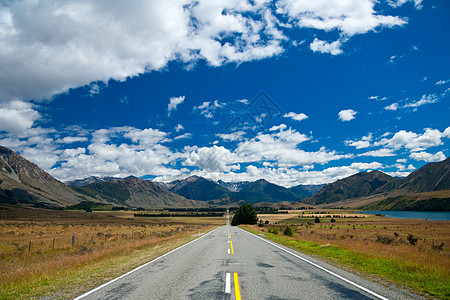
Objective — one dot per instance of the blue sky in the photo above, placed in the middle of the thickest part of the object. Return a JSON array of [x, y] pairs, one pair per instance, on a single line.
[[296, 92]]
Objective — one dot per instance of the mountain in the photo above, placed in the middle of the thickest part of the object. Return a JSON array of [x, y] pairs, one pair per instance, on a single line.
[[135, 192], [22, 182], [431, 177], [427, 188], [264, 191], [358, 185], [233, 186], [88, 180], [308, 190], [199, 188]]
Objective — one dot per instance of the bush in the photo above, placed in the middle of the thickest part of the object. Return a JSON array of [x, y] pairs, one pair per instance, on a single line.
[[288, 231], [317, 220], [244, 215], [385, 240], [411, 239], [267, 222], [273, 230], [333, 221], [261, 224]]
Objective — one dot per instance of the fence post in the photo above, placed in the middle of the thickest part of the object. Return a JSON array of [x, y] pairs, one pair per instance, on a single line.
[[73, 240], [54, 243], [29, 248], [132, 233]]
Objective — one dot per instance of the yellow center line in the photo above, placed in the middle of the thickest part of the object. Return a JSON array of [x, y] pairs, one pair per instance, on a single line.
[[237, 291], [231, 244]]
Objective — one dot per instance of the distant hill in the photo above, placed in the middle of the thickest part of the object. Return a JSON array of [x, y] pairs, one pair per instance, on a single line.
[[135, 192], [264, 191], [307, 190], [358, 185], [199, 188], [22, 182], [427, 188]]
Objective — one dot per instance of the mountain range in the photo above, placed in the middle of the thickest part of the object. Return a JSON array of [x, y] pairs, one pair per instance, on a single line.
[[22, 182]]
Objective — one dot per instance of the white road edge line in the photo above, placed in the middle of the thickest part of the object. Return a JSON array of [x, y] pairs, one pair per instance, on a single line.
[[228, 284], [320, 267], [140, 267], [228, 251]]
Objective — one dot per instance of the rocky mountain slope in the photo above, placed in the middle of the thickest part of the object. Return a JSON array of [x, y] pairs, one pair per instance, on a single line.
[[22, 182]]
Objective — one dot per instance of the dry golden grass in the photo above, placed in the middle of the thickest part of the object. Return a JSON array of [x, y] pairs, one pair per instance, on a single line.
[[380, 238], [103, 241]]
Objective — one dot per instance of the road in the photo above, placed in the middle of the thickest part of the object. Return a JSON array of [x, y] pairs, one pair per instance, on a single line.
[[230, 263]]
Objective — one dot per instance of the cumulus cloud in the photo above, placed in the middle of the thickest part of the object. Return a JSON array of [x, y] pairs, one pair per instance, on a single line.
[[49, 47], [347, 115], [333, 48], [174, 102], [296, 117], [363, 143], [393, 106], [413, 141], [348, 17], [428, 157], [17, 116]]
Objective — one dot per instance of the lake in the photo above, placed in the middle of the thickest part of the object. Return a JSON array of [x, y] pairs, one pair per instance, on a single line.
[[429, 215]]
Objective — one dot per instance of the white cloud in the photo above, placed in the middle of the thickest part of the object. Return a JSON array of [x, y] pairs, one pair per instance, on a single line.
[[363, 143], [49, 47], [393, 106], [174, 102], [426, 99], [347, 115], [441, 82], [17, 116], [396, 3], [413, 141], [348, 17], [234, 136], [296, 117], [72, 139], [333, 48], [184, 136], [179, 127], [208, 108], [428, 157], [379, 153]]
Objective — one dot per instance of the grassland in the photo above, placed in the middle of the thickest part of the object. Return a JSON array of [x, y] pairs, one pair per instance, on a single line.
[[411, 253], [38, 259]]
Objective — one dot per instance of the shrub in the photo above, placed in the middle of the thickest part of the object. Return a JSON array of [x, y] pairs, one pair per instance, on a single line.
[[245, 215], [385, 240], [411, 239], [261, 224], [267, 222], [288, 231], [333, 221], [317, 220], [273, 230]]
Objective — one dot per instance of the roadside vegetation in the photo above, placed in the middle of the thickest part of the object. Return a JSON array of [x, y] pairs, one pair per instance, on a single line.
[[412, 253], [58, 255]]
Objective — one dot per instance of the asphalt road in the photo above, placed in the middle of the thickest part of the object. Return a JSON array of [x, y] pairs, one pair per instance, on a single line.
[[239, 266]]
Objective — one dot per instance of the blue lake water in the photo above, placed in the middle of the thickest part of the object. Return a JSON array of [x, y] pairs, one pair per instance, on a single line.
[[429, 215]]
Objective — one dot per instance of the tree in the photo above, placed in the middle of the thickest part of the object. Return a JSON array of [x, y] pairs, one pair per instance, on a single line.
[[317, 220], [244, 215], [289, 231]]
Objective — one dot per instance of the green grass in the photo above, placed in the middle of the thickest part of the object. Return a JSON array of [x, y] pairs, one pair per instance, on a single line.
[[423, 279]]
